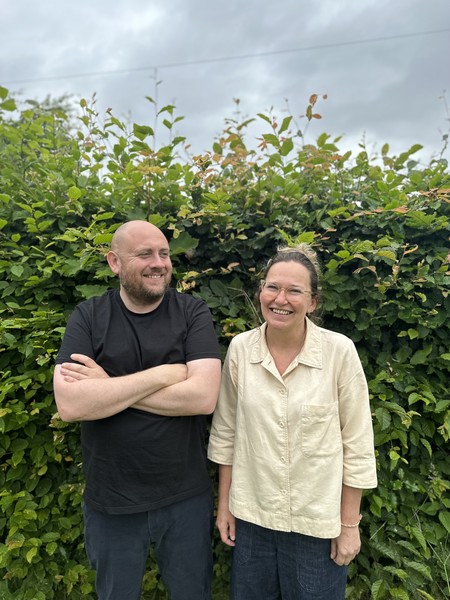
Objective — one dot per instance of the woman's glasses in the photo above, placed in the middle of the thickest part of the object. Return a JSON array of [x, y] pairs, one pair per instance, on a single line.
[[272, 290]]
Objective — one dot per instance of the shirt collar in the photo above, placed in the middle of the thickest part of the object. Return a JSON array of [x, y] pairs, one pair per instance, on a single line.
[[310, 355]]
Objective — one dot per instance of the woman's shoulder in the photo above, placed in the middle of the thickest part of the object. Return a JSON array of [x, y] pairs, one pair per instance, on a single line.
[[333, 337], [247, 338]]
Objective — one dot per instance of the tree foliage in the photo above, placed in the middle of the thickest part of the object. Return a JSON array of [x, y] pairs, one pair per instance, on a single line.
[[381, 227]]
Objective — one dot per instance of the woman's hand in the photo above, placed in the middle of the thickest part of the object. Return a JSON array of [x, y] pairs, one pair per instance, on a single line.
[[83, 368], [345, 547], [226, 524]]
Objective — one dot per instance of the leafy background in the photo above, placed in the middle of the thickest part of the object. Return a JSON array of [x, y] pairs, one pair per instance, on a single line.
[[69, 177]]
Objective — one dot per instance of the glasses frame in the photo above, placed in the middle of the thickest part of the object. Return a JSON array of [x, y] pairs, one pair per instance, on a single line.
[[274, 293]]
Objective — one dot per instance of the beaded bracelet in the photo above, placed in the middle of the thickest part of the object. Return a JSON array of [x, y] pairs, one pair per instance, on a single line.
[[353, 525]]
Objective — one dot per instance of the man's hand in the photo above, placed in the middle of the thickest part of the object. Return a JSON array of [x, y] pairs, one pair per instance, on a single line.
[[83, 368], [194, 394], [345, 547]]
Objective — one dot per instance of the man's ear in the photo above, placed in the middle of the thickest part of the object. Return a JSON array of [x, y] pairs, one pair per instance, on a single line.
[[113, 261]]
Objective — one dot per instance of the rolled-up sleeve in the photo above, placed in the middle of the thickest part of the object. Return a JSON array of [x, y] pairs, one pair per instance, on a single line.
[[223, 427], [359, 466]]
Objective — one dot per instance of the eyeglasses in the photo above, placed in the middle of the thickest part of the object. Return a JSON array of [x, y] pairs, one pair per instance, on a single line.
[[271, 290]]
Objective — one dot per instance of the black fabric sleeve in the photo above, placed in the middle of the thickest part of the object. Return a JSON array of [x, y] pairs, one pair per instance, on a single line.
[[77, 337], [201, 339]]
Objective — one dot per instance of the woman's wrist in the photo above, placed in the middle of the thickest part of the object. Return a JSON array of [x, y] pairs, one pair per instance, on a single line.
[[352, 524]]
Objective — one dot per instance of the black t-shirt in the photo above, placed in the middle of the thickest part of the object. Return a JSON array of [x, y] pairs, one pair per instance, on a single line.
[[136, 461]]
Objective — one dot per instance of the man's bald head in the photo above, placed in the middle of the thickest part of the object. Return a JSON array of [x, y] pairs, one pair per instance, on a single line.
[[131, 231]]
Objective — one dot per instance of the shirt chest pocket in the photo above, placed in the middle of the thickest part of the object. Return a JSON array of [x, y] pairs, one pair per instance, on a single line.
[[319, 431]]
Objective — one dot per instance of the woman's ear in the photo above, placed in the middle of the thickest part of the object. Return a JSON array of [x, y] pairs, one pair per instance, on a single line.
[[113, 261], [313, 305]]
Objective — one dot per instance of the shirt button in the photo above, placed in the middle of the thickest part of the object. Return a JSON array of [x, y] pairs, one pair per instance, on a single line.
[[282, 424], [284, 492], [283, 460]]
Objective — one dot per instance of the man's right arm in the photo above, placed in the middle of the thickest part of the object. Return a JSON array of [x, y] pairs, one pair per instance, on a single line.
[[90, 398]]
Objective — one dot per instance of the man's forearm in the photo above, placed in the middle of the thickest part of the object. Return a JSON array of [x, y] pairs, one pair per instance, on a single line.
[[91, 398], [179, 400], [197, 395]]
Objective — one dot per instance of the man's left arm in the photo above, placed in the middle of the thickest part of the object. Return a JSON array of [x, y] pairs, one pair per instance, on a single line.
[[196, 395]]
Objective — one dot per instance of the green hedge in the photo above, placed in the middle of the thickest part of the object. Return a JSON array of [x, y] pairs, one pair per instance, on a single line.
[[68, 177]]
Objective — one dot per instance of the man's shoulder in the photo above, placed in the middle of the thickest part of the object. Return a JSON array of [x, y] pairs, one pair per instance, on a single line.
[[95, 303], [107, 296]]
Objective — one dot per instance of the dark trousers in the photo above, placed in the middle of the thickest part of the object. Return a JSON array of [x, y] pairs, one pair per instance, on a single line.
[[118, 546], [276, 565]]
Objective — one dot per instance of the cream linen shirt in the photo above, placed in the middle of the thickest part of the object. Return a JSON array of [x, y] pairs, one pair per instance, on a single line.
[[293, 440]]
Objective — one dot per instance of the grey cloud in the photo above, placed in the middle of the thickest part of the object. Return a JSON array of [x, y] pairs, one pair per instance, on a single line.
[[387, 90]]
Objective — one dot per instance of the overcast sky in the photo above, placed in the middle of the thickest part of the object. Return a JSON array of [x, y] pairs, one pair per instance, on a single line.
[[384, 64]]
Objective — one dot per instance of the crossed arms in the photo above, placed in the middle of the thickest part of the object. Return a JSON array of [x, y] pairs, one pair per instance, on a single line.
[[85, 392]]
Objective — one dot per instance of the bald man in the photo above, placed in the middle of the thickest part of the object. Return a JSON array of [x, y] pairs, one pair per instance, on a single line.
[[139, 367]]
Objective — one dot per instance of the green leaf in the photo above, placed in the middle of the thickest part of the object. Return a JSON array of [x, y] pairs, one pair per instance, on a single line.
[[88, 291], [17, 270], [74, 193], [420, 357], [399, 593], [383, 417], [183, 243], [106, 216], [427, 445], [103, 239], [272, 139], [31, 554], [285, 124], [286, 147], [51, 548], [17, 457], [425, 596], [444, 518], [306, 236], [218, 288], [442, 405], [265, 118], [142, 131], [421, 568], [8, 105], [418, 535], [377, 589], [4, 556], [387, 254]]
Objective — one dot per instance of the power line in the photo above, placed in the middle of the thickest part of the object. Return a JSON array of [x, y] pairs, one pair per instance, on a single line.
[[228, 58]]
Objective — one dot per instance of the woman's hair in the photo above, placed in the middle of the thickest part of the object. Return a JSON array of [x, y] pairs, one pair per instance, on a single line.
[[302, 254]]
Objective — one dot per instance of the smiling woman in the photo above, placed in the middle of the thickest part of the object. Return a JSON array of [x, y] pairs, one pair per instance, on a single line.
[[292, 427], [288, 292]]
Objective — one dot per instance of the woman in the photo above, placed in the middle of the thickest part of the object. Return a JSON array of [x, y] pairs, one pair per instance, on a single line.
[[292, 434]]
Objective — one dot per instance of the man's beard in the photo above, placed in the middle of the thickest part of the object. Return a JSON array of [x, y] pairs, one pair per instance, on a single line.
[[140, 294]]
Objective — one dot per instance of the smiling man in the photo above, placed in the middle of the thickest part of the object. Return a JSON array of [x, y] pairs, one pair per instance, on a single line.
[[140, 368], [140, 257]]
